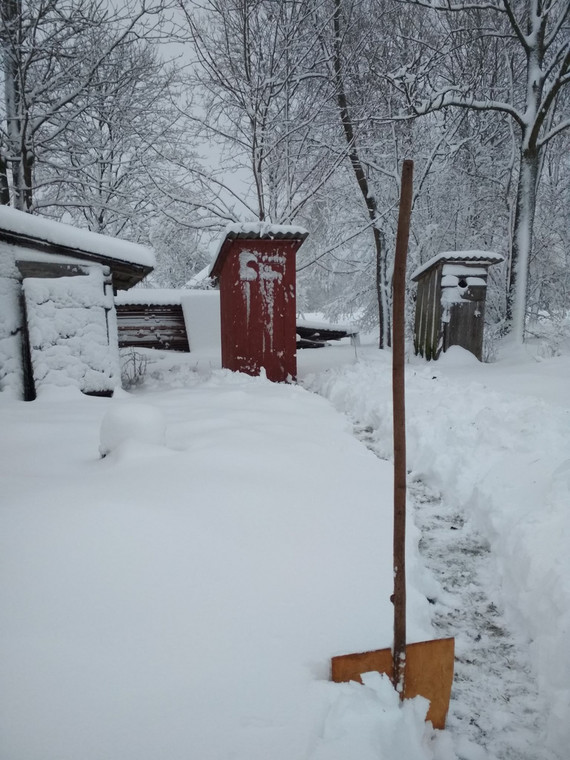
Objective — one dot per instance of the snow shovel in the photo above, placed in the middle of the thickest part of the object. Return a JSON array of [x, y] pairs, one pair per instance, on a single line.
[[424, 668]]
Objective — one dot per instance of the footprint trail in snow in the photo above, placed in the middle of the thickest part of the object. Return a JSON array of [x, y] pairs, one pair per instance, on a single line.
[[495, 711]]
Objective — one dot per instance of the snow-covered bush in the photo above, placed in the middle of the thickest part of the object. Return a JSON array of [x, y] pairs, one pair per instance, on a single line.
[[134, 367], [552, 336]]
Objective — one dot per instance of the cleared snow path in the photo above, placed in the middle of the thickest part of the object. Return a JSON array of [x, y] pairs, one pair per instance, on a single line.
[[495, 711], [495, 701], [501, 462]]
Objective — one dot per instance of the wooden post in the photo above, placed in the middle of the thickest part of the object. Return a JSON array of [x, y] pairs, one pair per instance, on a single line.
[[399, 420]]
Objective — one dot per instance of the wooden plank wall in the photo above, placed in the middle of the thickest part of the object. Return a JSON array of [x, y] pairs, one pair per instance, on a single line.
[[427, 333], [152, 326], [163, 327]]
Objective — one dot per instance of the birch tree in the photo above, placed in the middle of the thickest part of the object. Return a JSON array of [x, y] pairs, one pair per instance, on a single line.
[[530, 39]]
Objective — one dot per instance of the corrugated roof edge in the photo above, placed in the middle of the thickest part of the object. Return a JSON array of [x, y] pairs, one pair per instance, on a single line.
[[257, 231], [483, 257], [262, 230]]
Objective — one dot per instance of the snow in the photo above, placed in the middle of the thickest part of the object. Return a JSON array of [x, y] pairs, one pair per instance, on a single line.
[[40, 228], [451, 296], [201, 310], [10, 323], [476, 281], [183, 596], [319, 324], [142, 423], [200, 279], [71, 340], [460, 270], [192, 595], [488, 257], [501, 453]]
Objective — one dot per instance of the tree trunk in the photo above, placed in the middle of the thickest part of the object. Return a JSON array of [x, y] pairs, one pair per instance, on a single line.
[[522, 241], [381, 281], [4, 186], [21, 162], [383, 288]]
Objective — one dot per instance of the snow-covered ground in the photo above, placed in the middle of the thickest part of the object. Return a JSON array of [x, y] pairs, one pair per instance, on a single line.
[[492, 441], [182, 596]]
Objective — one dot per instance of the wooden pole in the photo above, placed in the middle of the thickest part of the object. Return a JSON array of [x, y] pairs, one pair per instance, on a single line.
[[399, 419]]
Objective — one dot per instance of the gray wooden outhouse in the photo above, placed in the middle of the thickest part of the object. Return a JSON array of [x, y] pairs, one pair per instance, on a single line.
[[450, 306]]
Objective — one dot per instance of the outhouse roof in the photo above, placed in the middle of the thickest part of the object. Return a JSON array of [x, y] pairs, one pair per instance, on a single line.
[[485, 258], [129, 262], [255, 231]]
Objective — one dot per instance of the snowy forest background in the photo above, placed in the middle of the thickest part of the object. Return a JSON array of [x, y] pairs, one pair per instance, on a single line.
[[160, 121]]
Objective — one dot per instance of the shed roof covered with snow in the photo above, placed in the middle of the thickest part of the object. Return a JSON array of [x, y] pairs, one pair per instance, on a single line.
[[129, 262], [472, 258]]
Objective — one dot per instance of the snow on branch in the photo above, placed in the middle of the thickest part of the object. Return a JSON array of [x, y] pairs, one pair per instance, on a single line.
[[455, 7], [554, 131], [452, 96]]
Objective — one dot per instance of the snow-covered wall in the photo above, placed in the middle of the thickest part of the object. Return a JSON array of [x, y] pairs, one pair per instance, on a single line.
[[202, 317], [10, 322], [71, 341]]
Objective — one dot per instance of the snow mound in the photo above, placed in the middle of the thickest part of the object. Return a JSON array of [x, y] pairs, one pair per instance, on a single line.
[[131, 421], [456, 356]]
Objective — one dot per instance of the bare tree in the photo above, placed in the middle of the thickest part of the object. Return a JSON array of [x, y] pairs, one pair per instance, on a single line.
[[358, 167], [98, 169], [528, 42], [48, 65], [258, 94]]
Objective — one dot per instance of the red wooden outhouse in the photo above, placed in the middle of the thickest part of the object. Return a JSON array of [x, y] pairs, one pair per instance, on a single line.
[[256, 271]]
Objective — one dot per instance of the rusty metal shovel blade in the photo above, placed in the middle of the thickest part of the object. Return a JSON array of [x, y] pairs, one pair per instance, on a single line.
[[429, 672]]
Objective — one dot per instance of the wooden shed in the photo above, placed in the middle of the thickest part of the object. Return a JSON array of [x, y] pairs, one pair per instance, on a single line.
[[450, 305], [170, 319], [151, 325], [57, 317], [189, 320], [255, 267]]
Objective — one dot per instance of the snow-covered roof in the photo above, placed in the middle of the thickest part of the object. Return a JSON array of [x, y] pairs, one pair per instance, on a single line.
[[28, 230], [161, 296], [255, 231], [150, 296], [316, 324], [470, 257]]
